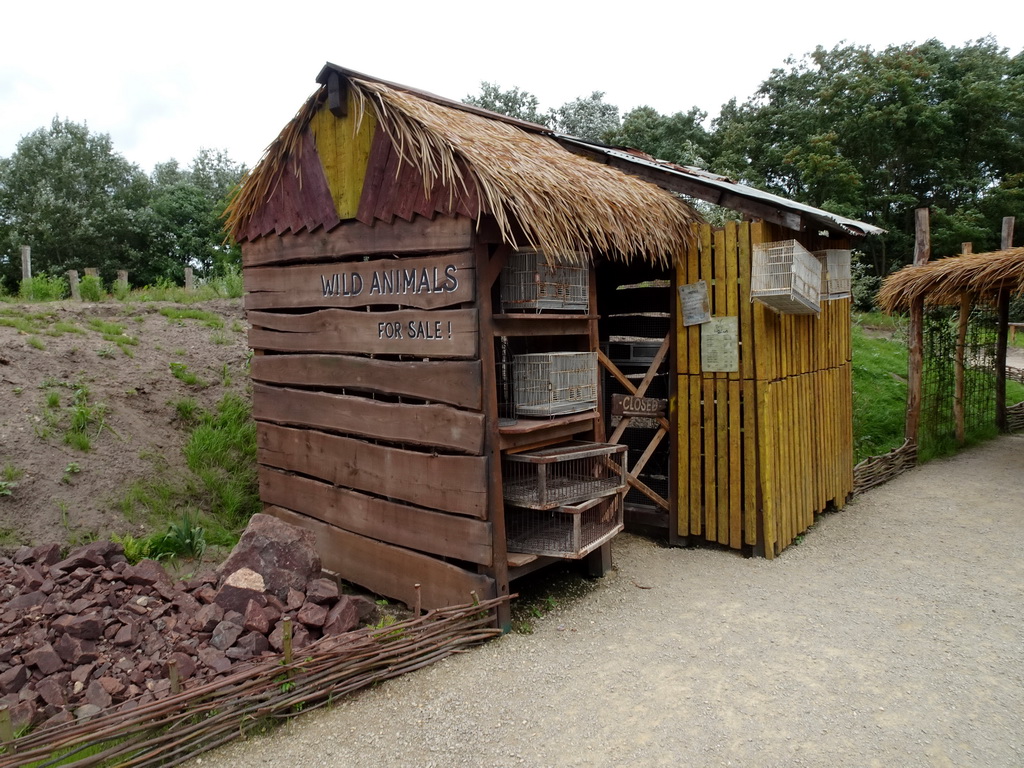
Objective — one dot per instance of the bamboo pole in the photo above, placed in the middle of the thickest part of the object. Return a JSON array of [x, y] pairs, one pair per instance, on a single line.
[[922, 252], [958, 368], [1002, 330]]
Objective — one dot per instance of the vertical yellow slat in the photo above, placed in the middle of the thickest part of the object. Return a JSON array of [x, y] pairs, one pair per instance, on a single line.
[[709, 479], [731, 273], [698, 270], [766, 533], [735, 467], [748, 347], [696, 477], [722, 478], [751, 466], [682, 344]]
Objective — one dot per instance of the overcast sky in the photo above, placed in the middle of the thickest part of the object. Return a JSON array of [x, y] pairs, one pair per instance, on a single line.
[[166, 79]]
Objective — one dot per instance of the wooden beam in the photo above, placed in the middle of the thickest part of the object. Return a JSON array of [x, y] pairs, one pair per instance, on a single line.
[[337, 94], [1002, 331], [958, 367], [915, 331]]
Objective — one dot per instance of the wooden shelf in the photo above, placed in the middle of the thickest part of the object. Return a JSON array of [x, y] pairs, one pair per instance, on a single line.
[[542, 325], [529, 433]]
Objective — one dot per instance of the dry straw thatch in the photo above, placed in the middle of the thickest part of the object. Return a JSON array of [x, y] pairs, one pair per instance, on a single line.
[[944, 281], [561, 203]]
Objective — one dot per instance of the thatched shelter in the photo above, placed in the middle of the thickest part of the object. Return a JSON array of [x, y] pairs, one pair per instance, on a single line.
[[981, 275]]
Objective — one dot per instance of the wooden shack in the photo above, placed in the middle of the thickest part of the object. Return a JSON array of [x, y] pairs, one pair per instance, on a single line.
[[380, 236]]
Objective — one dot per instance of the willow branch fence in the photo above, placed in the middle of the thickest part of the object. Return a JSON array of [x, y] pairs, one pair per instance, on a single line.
[[179, 727]]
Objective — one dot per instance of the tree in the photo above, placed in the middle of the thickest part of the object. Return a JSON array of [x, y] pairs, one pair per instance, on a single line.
[[514, 102], [74, 200], [680, 138], [877, 134], [588, 118]]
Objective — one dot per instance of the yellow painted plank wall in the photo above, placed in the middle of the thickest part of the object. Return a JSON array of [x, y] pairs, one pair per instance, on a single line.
[[343, 144], [764, 449]]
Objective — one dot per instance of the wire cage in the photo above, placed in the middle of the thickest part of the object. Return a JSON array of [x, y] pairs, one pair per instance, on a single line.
[[568, 532], [554, 383], [836, 280], [565, 500], [786, 277], [530, 284], [568, 473]]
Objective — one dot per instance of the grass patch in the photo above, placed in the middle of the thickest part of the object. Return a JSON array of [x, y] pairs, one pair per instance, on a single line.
[[209, 319], [181, 372], [879, 394], [36, 343], [114, 333]]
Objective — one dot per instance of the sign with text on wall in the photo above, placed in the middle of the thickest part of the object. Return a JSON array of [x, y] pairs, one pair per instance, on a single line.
[[694, 304], [720, 345]]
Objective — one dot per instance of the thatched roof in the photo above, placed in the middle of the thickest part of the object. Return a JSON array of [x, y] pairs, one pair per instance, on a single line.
[[540, 194], [945, 280]]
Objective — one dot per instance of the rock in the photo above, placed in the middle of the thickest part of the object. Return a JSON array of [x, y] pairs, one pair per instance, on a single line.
[[45, 659], [88, 556], [366, 608], [321, 591], [343, 617], [86, 711], [283, 554], [97, 695], [128, 634], [235, 598], [87, 627], [312, 615], [255, 619], [207, 617], [82, 674], [293, 599], [224, 635], [215, 660], [26, 601], [22, 715], [300, 636], [47, 554], [51, 691], [14, 678], [186, 666], [145, 573], [111, 685]]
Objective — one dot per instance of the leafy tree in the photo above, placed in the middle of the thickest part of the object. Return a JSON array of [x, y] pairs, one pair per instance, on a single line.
[[680, 138], [877, 134], [74, 200], [589, 118], [514, 102]]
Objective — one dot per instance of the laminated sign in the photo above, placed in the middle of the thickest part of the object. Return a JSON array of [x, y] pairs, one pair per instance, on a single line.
[[693, 299], [719, 345]]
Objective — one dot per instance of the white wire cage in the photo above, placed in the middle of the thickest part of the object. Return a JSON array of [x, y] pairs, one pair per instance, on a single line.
[[554, 383], [530, 284], [837, 278], [786, 277]]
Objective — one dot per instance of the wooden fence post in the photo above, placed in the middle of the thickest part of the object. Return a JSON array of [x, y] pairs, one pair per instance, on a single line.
[[189, 280], [922, 252], [76, 295], [958, 359], [92, 272], [26, 262], [122, 278], [1002, 330]]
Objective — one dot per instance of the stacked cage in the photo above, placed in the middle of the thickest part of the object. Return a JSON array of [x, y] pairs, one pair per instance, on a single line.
[[786, 277], [564, 501], [530, 284], [837, 279]]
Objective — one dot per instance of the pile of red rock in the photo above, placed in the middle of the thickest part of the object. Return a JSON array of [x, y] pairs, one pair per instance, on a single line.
[[88, 632]]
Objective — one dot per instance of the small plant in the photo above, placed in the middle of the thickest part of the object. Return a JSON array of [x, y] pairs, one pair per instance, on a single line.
[[187, 410], [225, 375], [121, 291], [181, 372], [53, 399], [217, 337], [184, 538], [91, 288], [87, 420], [134, 549], [209, 319], [36, 342], [106, 352], [71, 469], [43, 288], [18, 390]]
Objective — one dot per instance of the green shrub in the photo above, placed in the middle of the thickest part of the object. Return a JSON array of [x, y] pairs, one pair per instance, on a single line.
[[91, 288], [42, 287]]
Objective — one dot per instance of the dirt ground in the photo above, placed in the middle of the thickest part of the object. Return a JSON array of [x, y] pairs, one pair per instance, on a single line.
[[68, 495], [893, 635]]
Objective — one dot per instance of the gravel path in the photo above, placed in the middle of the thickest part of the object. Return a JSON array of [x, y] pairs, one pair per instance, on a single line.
[[892, 636]]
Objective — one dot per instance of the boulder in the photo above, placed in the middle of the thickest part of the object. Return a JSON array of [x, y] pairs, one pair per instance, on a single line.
[[283, 554]]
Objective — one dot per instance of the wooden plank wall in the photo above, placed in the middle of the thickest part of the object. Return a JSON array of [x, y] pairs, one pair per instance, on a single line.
[[764, 449], [368, 400]]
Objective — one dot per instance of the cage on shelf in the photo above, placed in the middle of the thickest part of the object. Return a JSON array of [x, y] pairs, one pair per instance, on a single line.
[[554, 383], [530, 284], [837, 279], [565, 500], [786, 277]]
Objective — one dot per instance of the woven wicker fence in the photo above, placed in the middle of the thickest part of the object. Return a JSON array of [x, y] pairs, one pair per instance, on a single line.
[[1015, 374], [1015, 417], [881, 469]]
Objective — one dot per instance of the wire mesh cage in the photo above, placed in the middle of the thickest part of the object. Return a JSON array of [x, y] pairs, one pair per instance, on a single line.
[[786, 277], [568, 532], [836, 277], [530, 284], [554, 383], [568, 473], [566, 500]]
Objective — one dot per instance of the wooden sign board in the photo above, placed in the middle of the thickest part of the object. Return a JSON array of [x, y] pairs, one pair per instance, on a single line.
[[719, 345], [630, 405], [423, 282], [694, 304]]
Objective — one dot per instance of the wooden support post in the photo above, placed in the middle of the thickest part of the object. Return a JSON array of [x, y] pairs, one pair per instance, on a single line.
[[122, 279], [189, 280], [76, 295], [922, 252], [958, 368], [92, 272], [26, 262], [1002, 330], [966, 248]]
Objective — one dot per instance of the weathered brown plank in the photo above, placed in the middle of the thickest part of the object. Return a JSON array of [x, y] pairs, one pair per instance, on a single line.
[[456, 484], [353, 238], [389, 570], [463, 538], [441, 333], [426, 283], [437, 426], [456, 382]]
